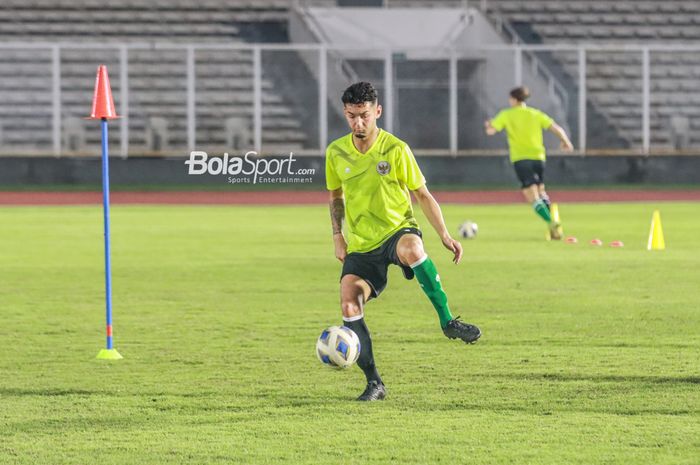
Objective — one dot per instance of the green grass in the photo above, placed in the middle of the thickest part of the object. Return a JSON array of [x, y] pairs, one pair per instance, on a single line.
[[589, 355]]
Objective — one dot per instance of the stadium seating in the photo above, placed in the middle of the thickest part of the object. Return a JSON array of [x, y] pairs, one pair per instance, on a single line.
[[614, 80], [224, 79], [157, 78]]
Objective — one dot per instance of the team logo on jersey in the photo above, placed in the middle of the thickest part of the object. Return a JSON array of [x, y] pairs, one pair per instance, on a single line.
[[383, 168]]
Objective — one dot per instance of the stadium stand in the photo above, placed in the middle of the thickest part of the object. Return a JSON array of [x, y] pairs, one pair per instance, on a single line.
[[224, 79], [614, 78]]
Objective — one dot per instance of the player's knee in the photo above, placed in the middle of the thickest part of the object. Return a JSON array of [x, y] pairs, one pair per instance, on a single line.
[[351, 309], [411, 252]]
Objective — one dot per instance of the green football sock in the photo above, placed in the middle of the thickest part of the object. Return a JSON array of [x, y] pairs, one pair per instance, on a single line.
[[541, 209], [429, 280]]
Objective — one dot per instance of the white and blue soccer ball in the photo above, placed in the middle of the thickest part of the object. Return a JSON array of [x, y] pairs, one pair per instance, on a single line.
[[338, 347], [468, 230]]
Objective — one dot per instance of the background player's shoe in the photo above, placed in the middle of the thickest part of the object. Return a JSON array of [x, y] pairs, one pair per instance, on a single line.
[[556, 232], [464, 331], [373, 391]]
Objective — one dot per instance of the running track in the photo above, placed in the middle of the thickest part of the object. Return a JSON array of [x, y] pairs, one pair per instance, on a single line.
[[315, 197]]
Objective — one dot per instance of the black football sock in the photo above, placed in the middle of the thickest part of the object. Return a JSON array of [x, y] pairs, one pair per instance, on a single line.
[[366, 359]]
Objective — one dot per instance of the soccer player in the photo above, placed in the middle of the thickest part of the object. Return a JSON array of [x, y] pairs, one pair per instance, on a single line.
[[369, 174], [524, 127]]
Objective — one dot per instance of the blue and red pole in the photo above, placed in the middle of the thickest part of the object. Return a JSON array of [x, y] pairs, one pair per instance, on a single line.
[[103, 109], [110, 353], [105, 208]]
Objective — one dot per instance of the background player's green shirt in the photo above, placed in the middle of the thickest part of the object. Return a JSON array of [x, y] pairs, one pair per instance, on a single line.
[[376, 185], [524, 126]]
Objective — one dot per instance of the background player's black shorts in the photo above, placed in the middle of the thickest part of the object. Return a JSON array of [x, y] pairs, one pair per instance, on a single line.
[[529, 172], [372, 266]]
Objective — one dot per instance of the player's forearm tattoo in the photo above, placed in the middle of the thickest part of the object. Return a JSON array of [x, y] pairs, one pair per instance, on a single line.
[[337, 215]]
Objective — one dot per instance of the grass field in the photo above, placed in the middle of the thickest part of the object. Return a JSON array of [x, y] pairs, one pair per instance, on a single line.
[[589, 355]]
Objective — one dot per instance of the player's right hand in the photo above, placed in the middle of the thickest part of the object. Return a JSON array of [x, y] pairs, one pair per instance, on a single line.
[[341, 247]]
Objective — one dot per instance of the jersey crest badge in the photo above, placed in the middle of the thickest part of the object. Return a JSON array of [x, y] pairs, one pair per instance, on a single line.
[[383, 168]]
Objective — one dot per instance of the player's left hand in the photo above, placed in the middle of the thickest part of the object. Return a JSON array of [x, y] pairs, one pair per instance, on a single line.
[[453, 246]]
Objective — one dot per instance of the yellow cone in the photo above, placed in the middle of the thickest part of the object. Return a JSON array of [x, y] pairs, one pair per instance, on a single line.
[[554, 213], [656, 234], [554, 209]]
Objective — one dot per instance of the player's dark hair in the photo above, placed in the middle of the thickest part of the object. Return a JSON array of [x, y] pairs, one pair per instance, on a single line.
[[359, 93], [520, 94]]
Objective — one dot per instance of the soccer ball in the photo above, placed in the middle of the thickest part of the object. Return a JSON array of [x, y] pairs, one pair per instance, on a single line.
[[468, 230], [338, 347]]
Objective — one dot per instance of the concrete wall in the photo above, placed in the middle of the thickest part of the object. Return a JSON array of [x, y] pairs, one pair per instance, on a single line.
[[471, 170]]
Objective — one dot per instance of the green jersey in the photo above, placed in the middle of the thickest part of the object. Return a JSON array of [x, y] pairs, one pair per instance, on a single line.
[[376, 185], [524, 126]]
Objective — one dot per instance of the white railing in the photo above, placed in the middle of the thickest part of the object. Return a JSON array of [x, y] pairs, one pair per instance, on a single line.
[[390, 97]]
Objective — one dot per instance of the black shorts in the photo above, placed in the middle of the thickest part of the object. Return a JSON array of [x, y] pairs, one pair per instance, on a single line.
[[372, 266], [529, 172]]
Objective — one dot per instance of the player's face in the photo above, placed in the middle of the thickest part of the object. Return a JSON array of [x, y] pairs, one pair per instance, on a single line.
[[362, 118]]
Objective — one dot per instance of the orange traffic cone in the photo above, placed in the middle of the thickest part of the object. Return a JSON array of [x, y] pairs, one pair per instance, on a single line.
[[102, 102]]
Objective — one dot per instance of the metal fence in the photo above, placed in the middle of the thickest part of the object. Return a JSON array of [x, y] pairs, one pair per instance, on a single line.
[[281, 97]]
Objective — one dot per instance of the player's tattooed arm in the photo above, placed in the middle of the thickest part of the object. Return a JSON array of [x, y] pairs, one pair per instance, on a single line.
[[337, 206], [337, 214]]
